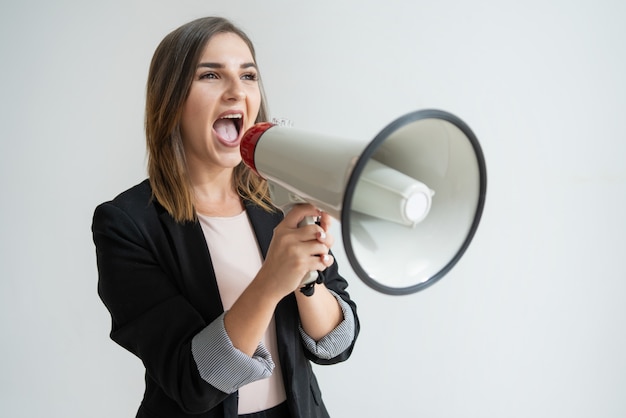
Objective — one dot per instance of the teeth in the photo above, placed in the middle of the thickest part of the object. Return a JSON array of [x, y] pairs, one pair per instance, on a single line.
[[233, 116]]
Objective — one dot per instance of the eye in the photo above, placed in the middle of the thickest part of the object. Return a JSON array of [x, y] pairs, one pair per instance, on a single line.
[[208, 76], [250, 77]]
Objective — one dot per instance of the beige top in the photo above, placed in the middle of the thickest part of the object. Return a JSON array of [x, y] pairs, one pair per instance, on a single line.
[[236, 260]]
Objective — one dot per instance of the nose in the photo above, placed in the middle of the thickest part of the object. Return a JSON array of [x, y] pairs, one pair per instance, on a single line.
[[235, 91]]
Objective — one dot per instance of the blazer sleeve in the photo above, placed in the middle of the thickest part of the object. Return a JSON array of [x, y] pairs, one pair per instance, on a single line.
[[150, 316]]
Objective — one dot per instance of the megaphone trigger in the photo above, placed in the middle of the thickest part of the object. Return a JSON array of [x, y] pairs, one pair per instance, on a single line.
[[312, 276]]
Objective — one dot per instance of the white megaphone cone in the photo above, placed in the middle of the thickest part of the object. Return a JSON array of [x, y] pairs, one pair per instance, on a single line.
[[409, 202]]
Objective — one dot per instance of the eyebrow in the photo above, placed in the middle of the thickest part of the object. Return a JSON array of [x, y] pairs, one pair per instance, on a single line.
[[218, 65]]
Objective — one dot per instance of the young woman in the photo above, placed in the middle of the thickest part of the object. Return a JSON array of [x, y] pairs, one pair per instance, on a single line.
[[201, 274]]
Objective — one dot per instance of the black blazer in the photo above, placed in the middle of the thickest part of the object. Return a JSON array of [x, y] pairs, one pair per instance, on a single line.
[[157, 281]]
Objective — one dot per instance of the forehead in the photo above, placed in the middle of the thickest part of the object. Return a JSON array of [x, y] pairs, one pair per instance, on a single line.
[[226, 46]]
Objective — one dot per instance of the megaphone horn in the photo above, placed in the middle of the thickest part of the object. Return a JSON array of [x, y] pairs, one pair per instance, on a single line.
[[409, 203]]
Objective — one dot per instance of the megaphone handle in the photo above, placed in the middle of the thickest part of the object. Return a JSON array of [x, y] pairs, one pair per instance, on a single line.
[[311, 276]]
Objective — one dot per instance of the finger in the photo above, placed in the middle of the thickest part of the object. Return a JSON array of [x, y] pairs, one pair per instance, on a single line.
[[330, 240], [312, 232], [325, 238], [299, 212], [327, 259], [325, 221], [315, 248]]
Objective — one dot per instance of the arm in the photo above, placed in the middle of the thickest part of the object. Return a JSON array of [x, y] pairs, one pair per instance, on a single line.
[[291, 254], [329, 325], [319, 313], [153, 320]]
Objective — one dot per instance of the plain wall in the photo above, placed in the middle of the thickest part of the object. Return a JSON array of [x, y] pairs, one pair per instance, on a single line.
[[530, 323]]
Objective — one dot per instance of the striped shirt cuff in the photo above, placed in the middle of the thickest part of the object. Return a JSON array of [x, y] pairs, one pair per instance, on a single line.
[[222, 365], [336, 341]]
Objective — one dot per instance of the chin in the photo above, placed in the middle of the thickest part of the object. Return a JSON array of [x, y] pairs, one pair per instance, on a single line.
[[232, 162]]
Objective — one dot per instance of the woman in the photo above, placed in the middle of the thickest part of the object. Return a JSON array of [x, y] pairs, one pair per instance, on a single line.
[[201, 274]]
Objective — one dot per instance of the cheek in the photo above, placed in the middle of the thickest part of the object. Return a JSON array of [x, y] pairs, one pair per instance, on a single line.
[[254, 105], [193, 126], [190, 110], [195, 112]]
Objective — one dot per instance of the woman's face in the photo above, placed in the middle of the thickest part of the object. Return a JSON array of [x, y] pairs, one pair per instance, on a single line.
[[223, 102]]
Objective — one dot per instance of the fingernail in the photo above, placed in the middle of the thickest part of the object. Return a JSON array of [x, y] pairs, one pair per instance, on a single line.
[[325, 258], [322, 235]]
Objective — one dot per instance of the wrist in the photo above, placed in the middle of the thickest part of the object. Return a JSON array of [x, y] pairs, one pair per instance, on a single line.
[[268, 287]]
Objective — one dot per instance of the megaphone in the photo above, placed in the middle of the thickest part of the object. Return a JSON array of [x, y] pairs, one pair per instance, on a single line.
[[409, 202]]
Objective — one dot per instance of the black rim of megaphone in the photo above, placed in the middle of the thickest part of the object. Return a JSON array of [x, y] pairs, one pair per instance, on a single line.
[[358, 168]]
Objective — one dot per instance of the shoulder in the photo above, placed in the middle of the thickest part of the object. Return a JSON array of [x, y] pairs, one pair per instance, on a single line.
[[135, 203], [137, 196]]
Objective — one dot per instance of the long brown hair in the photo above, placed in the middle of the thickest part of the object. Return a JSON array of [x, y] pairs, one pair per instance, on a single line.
[[169, 80]]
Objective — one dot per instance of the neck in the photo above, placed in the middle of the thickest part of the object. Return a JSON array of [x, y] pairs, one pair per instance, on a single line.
[[215, 195]]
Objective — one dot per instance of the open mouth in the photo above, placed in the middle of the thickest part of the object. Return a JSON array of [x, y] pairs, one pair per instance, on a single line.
[[228, 128]]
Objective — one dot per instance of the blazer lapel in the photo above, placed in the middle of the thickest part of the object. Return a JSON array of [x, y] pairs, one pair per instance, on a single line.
[[263, 224], [197, 277]]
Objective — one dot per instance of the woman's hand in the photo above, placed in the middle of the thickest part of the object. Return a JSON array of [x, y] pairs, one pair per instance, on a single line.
[[294, 251]]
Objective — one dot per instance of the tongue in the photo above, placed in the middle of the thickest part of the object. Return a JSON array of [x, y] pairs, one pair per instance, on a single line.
[[226, 129]]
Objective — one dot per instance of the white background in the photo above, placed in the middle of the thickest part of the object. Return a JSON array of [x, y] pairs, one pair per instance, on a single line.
[[530, 323]]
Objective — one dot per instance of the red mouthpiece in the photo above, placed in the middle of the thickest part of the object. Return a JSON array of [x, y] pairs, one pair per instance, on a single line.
[[249, 141]]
